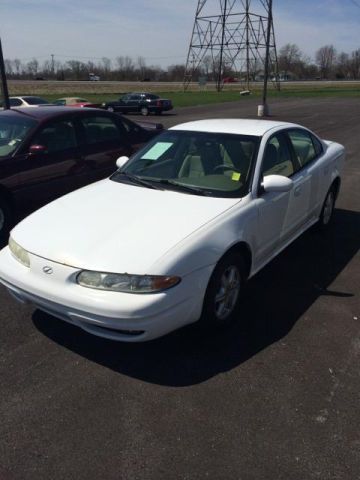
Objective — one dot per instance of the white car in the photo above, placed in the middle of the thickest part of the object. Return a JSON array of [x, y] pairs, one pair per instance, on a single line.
[[171, 237], [27, 101]]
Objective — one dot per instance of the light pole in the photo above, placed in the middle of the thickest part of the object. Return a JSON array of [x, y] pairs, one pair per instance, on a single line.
[[5, 92]]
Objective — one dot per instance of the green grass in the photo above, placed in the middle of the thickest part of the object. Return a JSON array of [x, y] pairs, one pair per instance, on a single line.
[[194, 98]]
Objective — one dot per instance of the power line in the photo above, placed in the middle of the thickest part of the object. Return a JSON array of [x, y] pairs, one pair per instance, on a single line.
[[355, 3]]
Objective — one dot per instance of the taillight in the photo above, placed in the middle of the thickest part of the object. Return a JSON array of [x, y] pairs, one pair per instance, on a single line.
[[159, 103]]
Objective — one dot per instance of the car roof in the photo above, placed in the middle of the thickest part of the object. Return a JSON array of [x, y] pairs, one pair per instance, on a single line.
[[43, 113], [236, 126], [25, 96]]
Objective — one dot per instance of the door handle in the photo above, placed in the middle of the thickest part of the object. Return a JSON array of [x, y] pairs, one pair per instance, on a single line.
[[297, 191]]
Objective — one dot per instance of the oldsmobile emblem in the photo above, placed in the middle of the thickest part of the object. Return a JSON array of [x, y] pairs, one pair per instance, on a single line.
[[47, 270]]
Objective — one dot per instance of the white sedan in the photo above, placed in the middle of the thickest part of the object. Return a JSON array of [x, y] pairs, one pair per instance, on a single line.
[[27, 101], [171, 237]]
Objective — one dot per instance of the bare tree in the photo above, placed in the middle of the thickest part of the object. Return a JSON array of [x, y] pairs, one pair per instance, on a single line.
[[8, 66], [342, 65], [325, 58], [32, 67], [354, 64], [289, 58]]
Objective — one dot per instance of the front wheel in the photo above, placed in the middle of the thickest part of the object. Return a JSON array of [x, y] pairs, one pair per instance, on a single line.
[[144, 111], [222, 298], [5, 221]]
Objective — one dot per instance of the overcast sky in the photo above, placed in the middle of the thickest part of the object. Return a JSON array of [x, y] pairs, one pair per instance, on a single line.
[[158, 30]]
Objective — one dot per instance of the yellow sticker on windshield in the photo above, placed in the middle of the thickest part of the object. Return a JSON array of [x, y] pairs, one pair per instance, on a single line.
[[236, 176]]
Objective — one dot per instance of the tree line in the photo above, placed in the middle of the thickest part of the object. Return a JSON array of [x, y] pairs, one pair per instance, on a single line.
[[293, 64]]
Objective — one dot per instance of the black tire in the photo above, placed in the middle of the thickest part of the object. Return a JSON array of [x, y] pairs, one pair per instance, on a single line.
[[327, 211], [5, 222], [223, 293], [144, 111]]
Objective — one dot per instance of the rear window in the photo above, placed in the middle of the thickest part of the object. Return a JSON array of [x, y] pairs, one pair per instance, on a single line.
[[13, 131]]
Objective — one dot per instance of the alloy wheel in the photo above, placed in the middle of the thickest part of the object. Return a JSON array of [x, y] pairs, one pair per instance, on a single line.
[[228, 292]]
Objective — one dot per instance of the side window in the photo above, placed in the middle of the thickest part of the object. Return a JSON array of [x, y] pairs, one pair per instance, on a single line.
[[303, 146], [57, 136], [100, 129], [15, 102], [277, 158]]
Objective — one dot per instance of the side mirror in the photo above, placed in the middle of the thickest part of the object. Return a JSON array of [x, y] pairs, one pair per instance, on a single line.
[[277, 183], [37, 149], [120, 162]]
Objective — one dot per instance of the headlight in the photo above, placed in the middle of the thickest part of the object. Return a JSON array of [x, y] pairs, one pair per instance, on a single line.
[[124, 282], [19, 253], [103, 104]]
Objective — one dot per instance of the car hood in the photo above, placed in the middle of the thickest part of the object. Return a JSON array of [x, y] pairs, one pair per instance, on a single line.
[[115, 227]]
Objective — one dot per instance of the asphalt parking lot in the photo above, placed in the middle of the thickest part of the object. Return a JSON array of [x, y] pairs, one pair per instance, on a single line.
[[277, 398]]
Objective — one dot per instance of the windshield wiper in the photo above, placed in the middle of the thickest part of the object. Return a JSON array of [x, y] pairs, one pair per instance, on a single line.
[[139, 181], [185, 188]]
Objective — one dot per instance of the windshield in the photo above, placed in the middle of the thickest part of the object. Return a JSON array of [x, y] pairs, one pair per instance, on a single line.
[[213, 164], [12, 133]]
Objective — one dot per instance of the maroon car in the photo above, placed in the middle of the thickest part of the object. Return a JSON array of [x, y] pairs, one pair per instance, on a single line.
[[46, 152]]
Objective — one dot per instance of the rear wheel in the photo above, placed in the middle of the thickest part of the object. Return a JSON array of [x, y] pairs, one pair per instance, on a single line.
[[222, 298], [144, 111], [327, 210]]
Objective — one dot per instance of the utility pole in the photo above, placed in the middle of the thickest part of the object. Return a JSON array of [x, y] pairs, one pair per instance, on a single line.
[[220, 72], [52, 64], [265, 108], [5, 92], [247, 46]]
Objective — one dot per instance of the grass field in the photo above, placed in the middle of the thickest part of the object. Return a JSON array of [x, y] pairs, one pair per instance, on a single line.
[[100, 92]]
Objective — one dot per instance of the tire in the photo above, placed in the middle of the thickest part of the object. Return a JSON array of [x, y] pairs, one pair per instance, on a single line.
[[223, 293], [110, 109], [327, 210], [5, 222], [144, 111]]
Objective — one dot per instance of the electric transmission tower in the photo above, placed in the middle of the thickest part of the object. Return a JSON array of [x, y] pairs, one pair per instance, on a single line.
[[232, 37]]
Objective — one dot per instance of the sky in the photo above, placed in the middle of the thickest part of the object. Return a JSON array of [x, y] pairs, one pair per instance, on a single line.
[[157, 30]]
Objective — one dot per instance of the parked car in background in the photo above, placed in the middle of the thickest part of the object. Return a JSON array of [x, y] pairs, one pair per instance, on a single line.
[[75, 102], [143, 103], [230, 80], [46, 152], [27, 101], [173, 235]]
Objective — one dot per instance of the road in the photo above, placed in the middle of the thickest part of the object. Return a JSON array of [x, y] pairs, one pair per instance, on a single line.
[[277, 399]]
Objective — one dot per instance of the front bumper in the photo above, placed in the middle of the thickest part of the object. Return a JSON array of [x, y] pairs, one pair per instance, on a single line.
[[112, 315]]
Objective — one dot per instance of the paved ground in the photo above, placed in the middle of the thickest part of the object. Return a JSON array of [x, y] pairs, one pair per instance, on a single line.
[[278, 400]]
